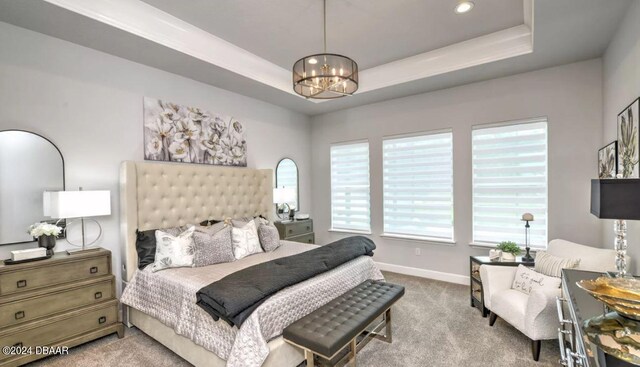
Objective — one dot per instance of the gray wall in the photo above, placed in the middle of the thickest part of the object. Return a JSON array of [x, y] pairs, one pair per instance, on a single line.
[[621, 87], [570, 96], [90, 105]]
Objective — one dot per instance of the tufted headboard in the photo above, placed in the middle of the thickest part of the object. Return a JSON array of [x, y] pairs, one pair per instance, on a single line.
[[162, 195]]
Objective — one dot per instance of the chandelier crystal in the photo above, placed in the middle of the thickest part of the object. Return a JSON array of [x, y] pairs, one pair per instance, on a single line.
[[325, 75]]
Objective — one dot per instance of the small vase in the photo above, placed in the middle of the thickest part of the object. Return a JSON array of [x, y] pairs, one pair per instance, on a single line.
[[48, 242], [508, 256]]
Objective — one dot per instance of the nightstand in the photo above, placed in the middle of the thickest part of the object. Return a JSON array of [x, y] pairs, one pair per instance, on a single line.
[[475, 283], [65, 301], [296, 230]]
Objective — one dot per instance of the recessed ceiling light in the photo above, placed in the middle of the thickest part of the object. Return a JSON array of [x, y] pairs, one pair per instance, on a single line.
[[313, 61], [464, 6]]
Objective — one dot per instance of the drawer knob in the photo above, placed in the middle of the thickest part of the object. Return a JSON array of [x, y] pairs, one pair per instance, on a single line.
[[19, 315], [21, 283], [309, 240], [291, 231], [93, 270], [102, 320], [308, 228], [98, 295]]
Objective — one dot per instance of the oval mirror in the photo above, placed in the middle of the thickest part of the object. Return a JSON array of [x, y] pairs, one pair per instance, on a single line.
[[29, 165], [287, 177]]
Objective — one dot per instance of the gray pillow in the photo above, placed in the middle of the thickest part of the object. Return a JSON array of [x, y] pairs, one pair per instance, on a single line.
[[269, 237], [212, 245]]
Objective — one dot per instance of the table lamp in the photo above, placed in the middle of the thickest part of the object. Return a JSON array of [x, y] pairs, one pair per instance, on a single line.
[[282, 197], [78, 204], [527, 217], [617, 199]]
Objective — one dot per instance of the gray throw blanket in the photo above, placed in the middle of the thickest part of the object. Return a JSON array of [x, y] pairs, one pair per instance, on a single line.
[[234, 297]]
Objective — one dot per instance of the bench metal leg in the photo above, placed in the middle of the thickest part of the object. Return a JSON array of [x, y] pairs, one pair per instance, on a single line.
[[354, 350], [387, 317], [308, 355]]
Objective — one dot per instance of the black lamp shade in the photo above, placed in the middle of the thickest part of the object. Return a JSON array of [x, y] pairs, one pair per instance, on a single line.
[[616, 199]]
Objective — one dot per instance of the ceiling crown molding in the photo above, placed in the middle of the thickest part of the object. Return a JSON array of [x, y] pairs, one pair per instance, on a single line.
[[143, 20]]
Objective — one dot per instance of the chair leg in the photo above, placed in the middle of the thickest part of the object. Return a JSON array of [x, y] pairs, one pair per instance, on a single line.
[[492, 318], [535, 349]]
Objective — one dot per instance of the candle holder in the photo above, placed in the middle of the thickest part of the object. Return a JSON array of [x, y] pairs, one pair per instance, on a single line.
[[527, 217]]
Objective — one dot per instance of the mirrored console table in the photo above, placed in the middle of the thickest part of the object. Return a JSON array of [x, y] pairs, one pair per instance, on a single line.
[[574, 308]]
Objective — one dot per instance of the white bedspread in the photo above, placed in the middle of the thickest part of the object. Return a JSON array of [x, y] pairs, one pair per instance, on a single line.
[[170, 296]]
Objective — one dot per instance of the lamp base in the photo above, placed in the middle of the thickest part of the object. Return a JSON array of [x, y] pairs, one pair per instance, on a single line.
[[74, 251], [527, 258]]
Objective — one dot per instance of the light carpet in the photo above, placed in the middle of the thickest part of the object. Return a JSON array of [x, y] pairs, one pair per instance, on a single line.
[[433, 325]]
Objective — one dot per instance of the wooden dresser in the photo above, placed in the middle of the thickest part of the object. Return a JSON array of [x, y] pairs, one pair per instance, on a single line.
[[62, 301], [296, 230]]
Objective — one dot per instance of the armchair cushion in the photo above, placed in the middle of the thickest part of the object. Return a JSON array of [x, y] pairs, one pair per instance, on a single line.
[[527, 280], [591, 258]]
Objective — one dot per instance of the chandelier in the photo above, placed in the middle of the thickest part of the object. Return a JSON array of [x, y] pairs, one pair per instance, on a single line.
[[325, 75]]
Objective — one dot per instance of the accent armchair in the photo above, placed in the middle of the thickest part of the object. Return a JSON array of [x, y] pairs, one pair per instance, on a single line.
[[535, 315]]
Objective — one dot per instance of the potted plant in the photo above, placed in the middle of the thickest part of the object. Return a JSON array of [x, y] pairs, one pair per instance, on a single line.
[[509, 250], [46, 235]]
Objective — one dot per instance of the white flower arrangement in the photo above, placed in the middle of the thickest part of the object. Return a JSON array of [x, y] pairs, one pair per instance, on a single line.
[[44, 229]]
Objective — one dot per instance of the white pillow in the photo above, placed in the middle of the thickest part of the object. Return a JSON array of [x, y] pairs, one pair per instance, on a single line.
[[174, 251], [527, 280], [551, 265], [245, 240]]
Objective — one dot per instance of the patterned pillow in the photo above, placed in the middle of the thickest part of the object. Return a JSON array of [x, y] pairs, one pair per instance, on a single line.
[[213, 245], [527, 280], [552, 266], [146, 245], [245, 240], [173, 251], [269, 237]]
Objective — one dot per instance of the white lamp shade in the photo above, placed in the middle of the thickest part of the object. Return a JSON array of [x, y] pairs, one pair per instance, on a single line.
[[284, 195], [76, 204]]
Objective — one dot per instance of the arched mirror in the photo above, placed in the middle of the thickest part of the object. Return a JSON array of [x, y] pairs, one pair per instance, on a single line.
[[287, 177], [29, 165]]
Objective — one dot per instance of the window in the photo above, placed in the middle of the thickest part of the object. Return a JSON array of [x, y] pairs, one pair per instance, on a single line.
[[510, 179], [418, 186], [350, 209]]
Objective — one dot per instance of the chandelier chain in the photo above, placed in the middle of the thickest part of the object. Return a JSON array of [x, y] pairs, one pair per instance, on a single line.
[[325, 25]]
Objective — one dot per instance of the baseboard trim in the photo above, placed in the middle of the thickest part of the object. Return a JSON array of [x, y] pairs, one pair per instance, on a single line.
[[425, 273]]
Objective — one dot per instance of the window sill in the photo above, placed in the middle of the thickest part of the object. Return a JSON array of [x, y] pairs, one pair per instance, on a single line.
[[484, 245], [354, 231], [437, 241]]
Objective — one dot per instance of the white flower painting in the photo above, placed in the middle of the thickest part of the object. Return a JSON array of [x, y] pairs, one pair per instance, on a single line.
[[187, 134]]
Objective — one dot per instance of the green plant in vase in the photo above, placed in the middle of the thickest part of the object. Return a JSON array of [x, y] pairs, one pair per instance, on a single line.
[[509, 250]]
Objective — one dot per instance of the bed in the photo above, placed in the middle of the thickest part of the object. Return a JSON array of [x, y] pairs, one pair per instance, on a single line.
[[162, 304]]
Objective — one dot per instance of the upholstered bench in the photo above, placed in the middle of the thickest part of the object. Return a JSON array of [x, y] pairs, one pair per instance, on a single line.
[[345, 321]]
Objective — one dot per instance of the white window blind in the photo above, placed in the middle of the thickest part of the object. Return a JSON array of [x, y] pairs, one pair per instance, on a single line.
[[418, 186], [350, 208], [510, 179]]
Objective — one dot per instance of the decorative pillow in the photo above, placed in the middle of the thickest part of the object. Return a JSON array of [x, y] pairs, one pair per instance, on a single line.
[[552, 266], [527, 280], [213, 245], [245, 240], [269, 237], [174, 251], [146, 245]]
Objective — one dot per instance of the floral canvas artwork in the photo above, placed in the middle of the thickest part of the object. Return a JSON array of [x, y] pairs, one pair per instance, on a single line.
[[628, 141], [178, 133], [608, 161]]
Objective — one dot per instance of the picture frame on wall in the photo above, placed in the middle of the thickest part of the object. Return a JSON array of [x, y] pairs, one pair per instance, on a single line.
[[629, 141], [608, 160]]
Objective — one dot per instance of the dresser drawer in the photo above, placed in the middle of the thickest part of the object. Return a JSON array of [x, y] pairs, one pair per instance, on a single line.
[[62, 327], [298, 228], [305, 238], [27, 309], [28, 279]]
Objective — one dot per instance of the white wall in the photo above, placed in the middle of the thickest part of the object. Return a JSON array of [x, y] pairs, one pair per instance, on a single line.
[[90, 105], [621, 87], [571, 98]]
